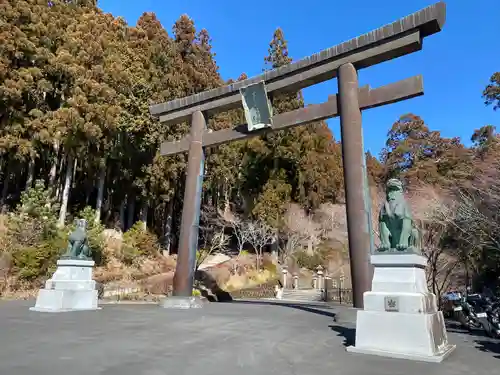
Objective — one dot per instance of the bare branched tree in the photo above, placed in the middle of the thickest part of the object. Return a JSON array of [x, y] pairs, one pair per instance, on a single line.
[[260, 235], [478, 227], [218, 243], [333, 221], [300, 224], [441, 262], [478, 223], [212, 234], [292, 242], [476, 219], [240, 227], [242, 234], [435, 215]]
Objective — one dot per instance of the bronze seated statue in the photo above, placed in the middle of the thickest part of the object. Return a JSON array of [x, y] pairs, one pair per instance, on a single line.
[[397, 232], [78, 246]]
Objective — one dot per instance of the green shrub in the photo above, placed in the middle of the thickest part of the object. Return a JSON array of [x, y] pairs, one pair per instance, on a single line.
[[138, 242], [311, 262], [35, 218], [37, 261], [33, 239]]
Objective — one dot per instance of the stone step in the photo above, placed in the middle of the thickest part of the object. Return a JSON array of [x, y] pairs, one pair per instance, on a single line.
[[303, 295], [303, 291]]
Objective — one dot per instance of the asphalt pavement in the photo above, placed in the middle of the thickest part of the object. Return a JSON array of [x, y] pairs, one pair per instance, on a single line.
[[244, 338]]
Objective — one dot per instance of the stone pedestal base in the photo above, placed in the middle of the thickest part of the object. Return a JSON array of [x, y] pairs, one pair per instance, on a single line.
[[400, 317], [420, 337], [71, 288], [182, 303]]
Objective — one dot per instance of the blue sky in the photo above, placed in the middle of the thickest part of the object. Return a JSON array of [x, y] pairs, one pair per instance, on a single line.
[[456, 64]]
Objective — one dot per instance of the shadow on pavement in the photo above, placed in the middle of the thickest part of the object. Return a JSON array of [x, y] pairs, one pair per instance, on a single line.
[[485, 345], [483, 342], [489, 346], [456, 328], [349, 334], [312, 308], [219, 295]]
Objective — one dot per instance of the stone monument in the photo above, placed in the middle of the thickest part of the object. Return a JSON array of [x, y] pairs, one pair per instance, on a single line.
[[71, 287], [400, 317]]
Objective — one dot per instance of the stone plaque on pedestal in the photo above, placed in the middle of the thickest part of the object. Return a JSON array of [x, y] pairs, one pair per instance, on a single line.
[[391, 304]]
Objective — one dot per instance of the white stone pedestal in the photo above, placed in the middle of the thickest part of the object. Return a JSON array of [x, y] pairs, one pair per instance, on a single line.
[[71, 288], [400, 317]]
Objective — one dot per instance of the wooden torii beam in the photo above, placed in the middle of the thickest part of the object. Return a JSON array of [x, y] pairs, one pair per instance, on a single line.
[[368, 98], [342, 61], [385, 43]]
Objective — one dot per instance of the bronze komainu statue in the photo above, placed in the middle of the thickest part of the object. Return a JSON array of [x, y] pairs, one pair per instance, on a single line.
[[397, 233], [78, 245]]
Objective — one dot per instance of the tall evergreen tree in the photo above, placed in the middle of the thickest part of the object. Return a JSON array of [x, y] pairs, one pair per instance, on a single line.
[[416, 153], [484, 140], [303, 161], [491, 93]]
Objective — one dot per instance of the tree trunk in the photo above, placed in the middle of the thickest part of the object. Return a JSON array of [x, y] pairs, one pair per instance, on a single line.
[[144, 215], [66, 190], [108, 207], [227, 207], [167, 234], [310, 247], [53, 167], [100, 192], [433, 271], [31, 173], [258, 257], [5, 189], [73, 180], [59, 188], [131, 212], [123, 206], [275, 245], [220, 192], [246, 203], [88, 193]]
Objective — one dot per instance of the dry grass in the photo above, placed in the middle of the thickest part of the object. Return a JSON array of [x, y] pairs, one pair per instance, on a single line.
[[19, 294], [160, 284], [251, 279], [125, 274]]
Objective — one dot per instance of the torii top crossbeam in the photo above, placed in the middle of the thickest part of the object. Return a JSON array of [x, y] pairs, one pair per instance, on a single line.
[[385, 43]]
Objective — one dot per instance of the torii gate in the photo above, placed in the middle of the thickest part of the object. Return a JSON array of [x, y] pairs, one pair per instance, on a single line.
[[342, 62]]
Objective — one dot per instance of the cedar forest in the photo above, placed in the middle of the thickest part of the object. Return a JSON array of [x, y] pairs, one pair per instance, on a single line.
[[77, 140]]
